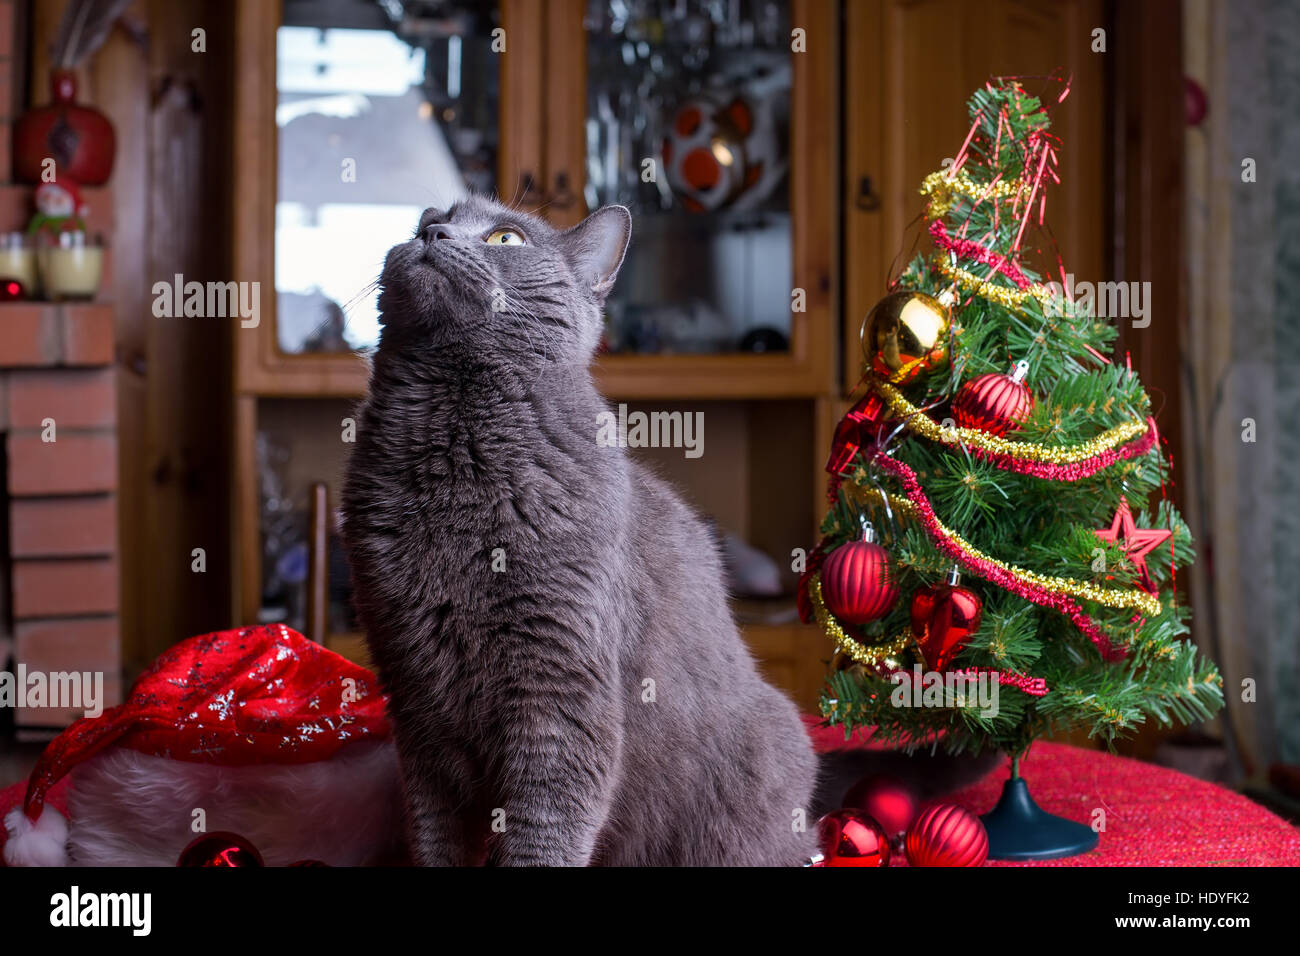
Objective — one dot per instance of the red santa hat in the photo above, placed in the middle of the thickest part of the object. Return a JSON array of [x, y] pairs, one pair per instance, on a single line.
[[250, 696]]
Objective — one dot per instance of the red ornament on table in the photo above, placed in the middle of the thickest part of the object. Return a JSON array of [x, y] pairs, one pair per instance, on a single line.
[[994, 403], [851, 838], [1136, 542], [220, 848], [857, 580], [946, 835], [944, 616], [885, 799]]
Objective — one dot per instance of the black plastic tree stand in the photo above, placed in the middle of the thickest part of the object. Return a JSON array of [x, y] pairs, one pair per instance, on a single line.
[[1020, 829]]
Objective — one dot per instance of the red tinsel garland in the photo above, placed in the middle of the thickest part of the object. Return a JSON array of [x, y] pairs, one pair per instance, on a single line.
[[969, 249], [992, 572], [1034, 686], [1076, 471]]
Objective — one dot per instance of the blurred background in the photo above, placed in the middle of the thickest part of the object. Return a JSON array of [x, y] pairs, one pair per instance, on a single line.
[[771, 154]]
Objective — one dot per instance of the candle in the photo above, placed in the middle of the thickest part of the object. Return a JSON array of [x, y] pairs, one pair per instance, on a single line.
[[71, 270], [18, 261]]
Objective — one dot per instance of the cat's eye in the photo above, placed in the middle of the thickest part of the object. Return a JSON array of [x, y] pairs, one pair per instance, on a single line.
[[505, 237]]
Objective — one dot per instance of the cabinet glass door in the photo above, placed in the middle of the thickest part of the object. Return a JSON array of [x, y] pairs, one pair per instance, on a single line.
[[688, 114], [383, 109]]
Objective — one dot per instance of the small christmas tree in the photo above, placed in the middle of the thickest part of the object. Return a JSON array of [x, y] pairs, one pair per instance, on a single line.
[[988, 495]]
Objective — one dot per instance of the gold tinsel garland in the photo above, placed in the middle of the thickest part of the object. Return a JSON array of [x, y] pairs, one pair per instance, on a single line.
[[862, 653], [922, 424], [945, 190], [1004, 296], [1135, 598]]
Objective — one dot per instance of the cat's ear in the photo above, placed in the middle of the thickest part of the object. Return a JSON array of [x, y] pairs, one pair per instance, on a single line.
[[596, 247]]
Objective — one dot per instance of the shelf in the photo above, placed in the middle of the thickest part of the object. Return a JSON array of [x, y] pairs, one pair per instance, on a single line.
[[619, 377], [784, 636], [721, 376], [777, 611]]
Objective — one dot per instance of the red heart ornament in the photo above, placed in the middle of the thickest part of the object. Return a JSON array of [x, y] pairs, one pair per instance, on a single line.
[[944, 616]]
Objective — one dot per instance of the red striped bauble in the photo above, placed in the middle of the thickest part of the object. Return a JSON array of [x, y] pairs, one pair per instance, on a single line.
[[858, 583], [946, 835], [994, 403]]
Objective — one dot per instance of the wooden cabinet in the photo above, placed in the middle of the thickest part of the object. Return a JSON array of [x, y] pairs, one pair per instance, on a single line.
[[869, 93]]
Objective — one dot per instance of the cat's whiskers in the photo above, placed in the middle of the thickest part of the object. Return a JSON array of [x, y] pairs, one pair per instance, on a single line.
[[345, 309], [516, 204], [353, 302], [520, 310], [513, 204], [499, 290]]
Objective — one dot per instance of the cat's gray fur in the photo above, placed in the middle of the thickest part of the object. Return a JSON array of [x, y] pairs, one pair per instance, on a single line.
[[568, 685]]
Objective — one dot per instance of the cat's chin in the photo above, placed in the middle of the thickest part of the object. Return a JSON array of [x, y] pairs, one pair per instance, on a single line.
[[428, 303]]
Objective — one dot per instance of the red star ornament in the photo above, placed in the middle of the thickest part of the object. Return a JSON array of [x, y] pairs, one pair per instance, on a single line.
[[1136, 542]]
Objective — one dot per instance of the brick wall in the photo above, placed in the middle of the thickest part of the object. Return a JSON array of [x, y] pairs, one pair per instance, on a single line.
[[62, 549], [62, 519]]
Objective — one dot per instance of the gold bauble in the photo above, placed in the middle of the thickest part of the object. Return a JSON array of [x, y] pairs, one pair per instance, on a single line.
[[905, 336]]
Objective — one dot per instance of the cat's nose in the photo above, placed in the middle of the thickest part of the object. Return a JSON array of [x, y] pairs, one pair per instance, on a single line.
[[436, 232]]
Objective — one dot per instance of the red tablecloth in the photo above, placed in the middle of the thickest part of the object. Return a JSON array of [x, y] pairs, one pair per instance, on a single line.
[[1154, 816]]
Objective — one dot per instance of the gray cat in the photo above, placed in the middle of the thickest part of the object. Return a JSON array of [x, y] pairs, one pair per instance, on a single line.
[[568, 686]]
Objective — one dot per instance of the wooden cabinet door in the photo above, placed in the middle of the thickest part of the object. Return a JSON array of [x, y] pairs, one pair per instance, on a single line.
[[345, 123], [910, 66], [617, 80]]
